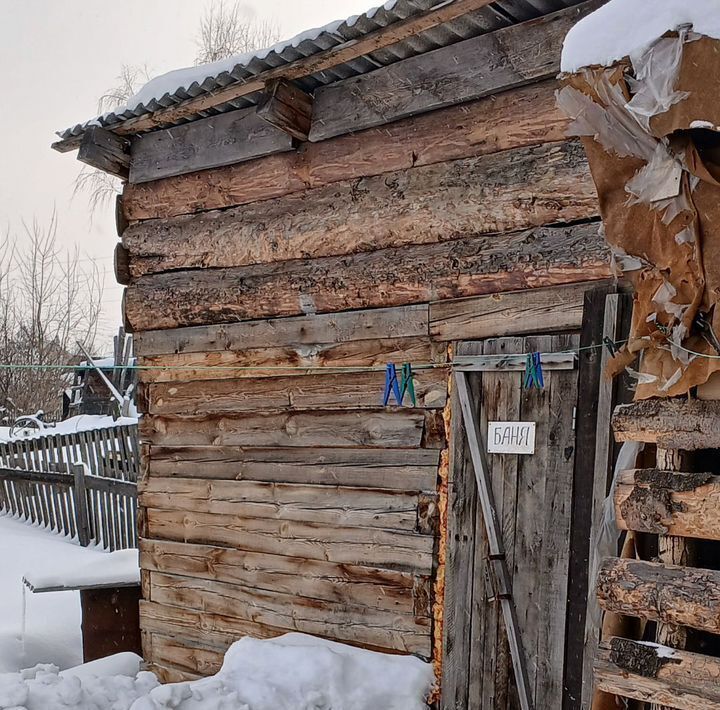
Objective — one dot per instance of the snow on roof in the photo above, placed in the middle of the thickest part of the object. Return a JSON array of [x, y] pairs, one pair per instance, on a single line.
[[182, 85], [623, 28], [82, 422], [114, 569]]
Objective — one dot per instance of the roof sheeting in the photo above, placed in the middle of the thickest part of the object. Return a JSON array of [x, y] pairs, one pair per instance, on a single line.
[[175, 88]]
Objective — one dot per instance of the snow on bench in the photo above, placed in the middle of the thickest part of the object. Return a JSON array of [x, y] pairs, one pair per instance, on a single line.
[[110, 571]]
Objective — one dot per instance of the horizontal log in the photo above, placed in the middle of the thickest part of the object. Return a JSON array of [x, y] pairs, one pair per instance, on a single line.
[[340, 621], [669, 423], [329, 505], [167, 674], [543, 310], [225, 139], [487, 64], [371, 547], [348, 390], [315, 579], [669, 503], [683, 596], [515, 119], [658, 674], [394, 469], [401, 428], [306, 334], [472, 266], [502, 192], [251, 363]]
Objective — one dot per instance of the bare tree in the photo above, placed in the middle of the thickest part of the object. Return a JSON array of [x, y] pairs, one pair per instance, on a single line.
[[233, 28], [49, 302]]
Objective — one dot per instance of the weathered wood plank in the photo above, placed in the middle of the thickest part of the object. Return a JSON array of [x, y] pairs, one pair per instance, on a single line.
[[287, 107], [316, 579], [395, 469], [306, 334], [251, 363], [657, 674], [472, 266], [401, 428], [103, 150], [185, 656], [340, 621], [682, 596], [225, 139], [669, 423], [514, 313], [669, 503], [476, 67], [502, 192], [318, 391], [357, 546], [329, 505], [515, 119]]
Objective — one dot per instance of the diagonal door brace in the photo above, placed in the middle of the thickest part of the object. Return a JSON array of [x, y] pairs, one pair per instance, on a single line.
[[498, 567]]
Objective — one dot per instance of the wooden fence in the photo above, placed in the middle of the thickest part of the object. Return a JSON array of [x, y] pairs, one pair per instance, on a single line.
[[82, 484]]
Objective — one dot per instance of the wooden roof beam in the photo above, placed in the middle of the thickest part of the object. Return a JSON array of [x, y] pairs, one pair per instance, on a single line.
[[373, 41], [105, 151], [287, 107]]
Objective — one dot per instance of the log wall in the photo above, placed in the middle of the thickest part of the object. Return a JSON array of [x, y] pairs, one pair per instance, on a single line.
[[267, 296]]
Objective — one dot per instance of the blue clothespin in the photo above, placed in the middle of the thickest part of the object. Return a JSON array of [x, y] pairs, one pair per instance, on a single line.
[[533, 371], [392, 384]]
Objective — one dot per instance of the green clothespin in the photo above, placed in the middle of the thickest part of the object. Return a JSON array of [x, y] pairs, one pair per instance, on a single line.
[[407, 384]]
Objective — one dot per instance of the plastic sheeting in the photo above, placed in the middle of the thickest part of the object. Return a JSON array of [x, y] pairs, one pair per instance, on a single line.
[[657, 177]]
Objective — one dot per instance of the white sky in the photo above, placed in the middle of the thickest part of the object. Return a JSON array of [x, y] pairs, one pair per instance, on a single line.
[[56, 58]]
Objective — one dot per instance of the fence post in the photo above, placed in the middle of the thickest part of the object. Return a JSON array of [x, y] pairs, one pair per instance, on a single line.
[[81, 507]]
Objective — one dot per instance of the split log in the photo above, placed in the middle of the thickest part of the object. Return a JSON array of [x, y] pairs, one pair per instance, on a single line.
[[187, 659], [681, 596], [229, 138], [348, 390], [329, 505], [388, 590], [306, 334], [489, 63], [515, 119], [369, 547], [514, 313], [392, 469], [221, 365], [669, 503], [473, 266], [658, 674], [502, 192], [670, 423], [330, 619], [400, 428]]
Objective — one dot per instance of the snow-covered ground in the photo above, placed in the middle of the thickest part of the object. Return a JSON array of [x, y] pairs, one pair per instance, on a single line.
[[52, 633]]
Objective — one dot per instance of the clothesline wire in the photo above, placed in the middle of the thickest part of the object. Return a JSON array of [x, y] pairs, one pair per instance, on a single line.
[[282, 368]]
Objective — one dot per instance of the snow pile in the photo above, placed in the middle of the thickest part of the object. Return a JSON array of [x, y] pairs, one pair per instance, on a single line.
[[299, 672], [623, 28], [43, 688], [292, 672], [112, 569], [82, 422]]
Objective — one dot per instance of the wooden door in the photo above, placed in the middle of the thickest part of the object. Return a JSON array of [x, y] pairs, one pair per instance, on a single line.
[[533, 497]]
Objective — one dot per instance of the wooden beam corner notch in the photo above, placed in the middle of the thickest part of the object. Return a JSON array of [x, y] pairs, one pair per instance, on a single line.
[[105, 151], [287, 107]]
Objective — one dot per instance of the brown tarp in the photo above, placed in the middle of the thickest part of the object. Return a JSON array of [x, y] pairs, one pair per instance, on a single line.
[[666, 234]]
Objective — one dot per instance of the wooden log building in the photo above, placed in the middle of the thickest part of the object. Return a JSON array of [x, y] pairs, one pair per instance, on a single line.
[[398, 189]]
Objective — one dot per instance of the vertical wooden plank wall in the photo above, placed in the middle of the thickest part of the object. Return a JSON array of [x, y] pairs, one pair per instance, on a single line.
[[290, 499]]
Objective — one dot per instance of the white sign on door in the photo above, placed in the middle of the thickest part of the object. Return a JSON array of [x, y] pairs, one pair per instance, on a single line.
[[511, 438]]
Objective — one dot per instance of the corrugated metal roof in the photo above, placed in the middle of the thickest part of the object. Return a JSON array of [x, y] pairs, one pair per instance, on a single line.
[[495, 16]]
